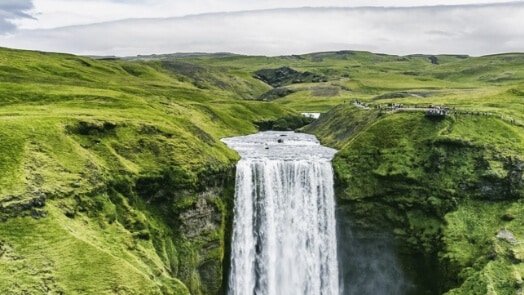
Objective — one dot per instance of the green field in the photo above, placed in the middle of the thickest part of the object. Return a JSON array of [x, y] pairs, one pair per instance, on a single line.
[[489, 83]]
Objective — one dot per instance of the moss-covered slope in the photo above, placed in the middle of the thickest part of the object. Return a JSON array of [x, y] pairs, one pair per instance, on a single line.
[[450, 189], [113, 178]]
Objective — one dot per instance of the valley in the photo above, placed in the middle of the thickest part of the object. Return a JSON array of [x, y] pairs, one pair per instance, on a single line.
[[114, 179]]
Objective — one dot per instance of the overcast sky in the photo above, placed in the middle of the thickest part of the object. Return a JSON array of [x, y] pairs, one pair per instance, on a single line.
[[266, 27]]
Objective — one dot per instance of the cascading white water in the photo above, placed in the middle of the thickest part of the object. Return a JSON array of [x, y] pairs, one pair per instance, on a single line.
[[284, 239]]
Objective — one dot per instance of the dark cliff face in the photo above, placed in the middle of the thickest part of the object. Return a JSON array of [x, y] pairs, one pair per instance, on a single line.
[[436, 193], [286, 75], [200, 219], [179, 236]]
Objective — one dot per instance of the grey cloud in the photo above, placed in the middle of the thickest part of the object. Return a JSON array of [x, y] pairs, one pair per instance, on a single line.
[[16, 5], [5, 25], [441, 33], [474, 29], [12, 9]]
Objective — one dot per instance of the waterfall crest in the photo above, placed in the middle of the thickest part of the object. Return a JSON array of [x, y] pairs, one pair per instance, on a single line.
[[284, 237]]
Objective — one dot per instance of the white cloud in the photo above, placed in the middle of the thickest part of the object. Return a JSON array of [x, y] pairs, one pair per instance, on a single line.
[[476, 30], [59, 13]]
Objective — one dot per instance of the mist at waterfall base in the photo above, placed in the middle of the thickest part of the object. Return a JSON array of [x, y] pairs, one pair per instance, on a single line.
[[368, 264], [285, 233]]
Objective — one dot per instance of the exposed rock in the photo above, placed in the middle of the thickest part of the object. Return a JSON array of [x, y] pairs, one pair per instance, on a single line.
[[14, 206], [433, 59], [515, 174], [92, 128], [207, 271], [201, 224], [276, 93], [285, 76], [37, 213], [506, 235], [494, 187], [492, 190], [203, 218], [285, 123]]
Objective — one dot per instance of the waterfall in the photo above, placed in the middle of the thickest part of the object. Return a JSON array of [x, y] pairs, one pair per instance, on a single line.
[[284, 236]]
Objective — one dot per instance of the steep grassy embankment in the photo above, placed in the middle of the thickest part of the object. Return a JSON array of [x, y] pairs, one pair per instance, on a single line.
[[113, 178], [450, 190]]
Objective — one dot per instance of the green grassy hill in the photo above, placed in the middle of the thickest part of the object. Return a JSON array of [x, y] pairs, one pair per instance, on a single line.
[[106, 168], [446, 188], [478, 83], [114, 180]]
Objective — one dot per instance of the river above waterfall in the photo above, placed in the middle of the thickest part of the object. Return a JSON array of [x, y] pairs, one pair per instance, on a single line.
[[284, 236], [284, 145]]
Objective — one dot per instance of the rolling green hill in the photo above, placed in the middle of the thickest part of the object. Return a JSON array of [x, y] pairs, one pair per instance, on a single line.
[[478, 83], [107, 168], [114, 180]]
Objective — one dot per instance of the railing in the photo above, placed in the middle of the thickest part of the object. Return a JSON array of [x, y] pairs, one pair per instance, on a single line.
[[432, 111]]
